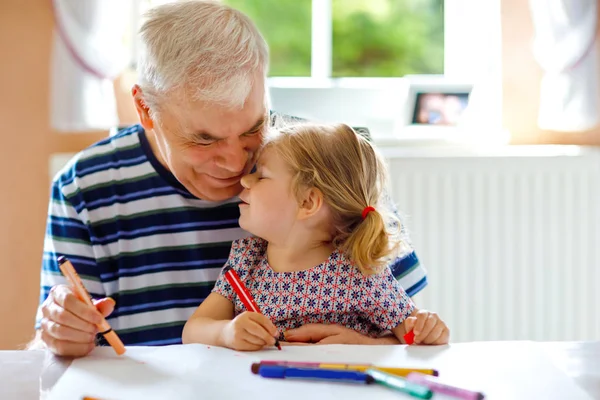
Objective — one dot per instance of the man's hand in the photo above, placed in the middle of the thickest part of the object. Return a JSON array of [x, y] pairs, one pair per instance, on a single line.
[[333, 334], [68, 326]]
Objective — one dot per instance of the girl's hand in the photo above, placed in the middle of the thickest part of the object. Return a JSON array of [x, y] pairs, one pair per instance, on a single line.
[[249, 331], [428, 328]]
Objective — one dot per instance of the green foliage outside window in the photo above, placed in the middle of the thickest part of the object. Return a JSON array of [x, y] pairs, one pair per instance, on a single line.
[[371, 38]]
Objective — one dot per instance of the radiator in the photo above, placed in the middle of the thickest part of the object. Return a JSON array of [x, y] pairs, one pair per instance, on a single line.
[[510, 240]]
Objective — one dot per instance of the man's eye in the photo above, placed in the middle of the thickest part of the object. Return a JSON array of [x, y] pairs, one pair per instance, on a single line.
[[252, 133], [203, 142]]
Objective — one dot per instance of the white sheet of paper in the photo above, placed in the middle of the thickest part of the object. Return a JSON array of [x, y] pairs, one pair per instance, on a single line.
[[501, 370]]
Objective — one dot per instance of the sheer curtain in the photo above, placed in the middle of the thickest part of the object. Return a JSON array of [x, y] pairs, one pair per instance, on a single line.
[[565, 48], [473, 53], [88, 54]]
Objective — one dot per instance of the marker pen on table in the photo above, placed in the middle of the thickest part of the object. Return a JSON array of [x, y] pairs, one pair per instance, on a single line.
[[443, 388], [103, 327], [400, 384], [281, 372], [352, 367]]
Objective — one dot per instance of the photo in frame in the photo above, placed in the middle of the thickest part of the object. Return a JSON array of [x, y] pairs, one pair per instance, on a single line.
[[433, 108]]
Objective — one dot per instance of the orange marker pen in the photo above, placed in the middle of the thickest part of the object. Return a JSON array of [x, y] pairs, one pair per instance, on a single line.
[[69, 272]]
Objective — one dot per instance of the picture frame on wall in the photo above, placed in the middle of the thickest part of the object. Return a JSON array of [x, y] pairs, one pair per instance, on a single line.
[[434, 108]]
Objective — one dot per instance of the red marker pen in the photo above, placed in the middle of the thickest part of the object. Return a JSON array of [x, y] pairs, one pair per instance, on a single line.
[[244, 295]]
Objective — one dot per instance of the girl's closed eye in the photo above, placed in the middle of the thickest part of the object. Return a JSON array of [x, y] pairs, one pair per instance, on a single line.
[[260, 174]]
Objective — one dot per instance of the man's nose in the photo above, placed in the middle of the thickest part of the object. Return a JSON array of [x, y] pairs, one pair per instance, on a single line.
[[233, 156]]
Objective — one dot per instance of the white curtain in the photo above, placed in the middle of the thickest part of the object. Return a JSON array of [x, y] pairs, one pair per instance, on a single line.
[[88, 54], [565, 48], [473, 53]]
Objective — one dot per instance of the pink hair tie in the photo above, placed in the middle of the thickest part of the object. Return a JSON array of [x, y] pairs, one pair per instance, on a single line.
[[366, 211]]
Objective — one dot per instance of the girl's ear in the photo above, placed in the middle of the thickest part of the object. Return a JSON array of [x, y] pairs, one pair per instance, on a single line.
[[311, 203]]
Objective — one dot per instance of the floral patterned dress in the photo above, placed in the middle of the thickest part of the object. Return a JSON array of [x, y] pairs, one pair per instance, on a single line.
[[334, 292]]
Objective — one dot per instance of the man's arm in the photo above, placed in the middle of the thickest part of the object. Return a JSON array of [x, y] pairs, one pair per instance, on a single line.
[[65, 324], [410, 274], [406, 267]]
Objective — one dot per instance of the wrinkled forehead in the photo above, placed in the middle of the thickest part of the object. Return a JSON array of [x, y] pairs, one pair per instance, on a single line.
[[217, 119]]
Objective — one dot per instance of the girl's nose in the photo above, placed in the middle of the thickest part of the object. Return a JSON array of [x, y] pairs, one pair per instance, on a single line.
[[247, 180]]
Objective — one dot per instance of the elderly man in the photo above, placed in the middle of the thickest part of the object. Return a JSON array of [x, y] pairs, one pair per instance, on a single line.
[[147, 217]]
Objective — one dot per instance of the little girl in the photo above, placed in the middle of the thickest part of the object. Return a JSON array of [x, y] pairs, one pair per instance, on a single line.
[[321, 247]]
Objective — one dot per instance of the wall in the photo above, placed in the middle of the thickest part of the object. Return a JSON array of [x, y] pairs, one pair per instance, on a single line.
[[27, 142], [521, 82]]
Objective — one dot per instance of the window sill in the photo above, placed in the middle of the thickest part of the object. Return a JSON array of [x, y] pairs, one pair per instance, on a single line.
[[329, 83], [400, 148]]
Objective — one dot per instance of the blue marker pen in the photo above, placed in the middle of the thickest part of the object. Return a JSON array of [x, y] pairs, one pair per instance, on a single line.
[[283, 372]]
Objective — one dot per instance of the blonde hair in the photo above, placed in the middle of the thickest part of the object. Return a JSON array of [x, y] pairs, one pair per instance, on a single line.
[[352, 176], [206, 49]]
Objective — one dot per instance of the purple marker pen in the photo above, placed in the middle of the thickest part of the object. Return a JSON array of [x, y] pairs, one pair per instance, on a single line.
[[435, 385]]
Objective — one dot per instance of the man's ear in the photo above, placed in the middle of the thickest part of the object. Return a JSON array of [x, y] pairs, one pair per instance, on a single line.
[[310, 203], [141, 108]]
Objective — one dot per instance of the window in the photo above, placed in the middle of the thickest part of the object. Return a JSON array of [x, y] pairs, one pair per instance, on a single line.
[[387, 38], [286, 26], [350, 38], [347, 38]]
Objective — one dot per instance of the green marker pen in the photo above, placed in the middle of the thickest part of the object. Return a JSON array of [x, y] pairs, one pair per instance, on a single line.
[[400, 384]]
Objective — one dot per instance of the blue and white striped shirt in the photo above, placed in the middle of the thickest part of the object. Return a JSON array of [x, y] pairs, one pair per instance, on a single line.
[[134, 233]]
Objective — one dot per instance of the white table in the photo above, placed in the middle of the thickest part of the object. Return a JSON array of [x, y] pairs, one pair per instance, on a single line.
[[31, 374]]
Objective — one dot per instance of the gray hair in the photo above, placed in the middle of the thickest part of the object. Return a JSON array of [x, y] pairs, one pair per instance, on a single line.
[[208, 51]]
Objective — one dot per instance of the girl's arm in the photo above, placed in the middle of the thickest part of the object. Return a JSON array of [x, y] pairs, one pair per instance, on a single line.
[[213, 324], [207, 323], [405, 327]]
